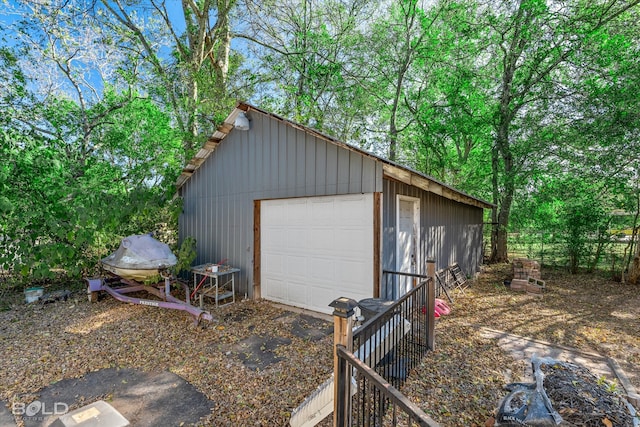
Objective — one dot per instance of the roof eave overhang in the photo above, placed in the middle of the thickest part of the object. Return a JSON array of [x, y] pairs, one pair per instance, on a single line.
[[408, 177], [390, 170], [210, 145]]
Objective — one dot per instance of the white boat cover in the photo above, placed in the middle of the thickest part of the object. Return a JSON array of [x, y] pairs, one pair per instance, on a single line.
[[141, 252]]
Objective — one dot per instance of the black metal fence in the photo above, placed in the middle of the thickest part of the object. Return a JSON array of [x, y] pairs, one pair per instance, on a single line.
[[377, 403], [385, 349]]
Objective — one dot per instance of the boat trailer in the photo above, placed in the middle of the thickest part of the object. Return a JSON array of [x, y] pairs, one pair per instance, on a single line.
[[118, 287]]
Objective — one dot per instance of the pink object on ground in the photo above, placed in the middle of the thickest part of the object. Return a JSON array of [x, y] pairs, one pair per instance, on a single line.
[[442, 309]]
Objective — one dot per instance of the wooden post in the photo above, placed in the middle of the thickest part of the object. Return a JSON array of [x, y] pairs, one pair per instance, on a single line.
[[257, 293], [431, 304], [342, 335], [431, 268], [342, 409], [377, 244]]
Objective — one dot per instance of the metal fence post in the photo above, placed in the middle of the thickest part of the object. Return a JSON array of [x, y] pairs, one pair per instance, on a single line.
[[342, 335], [431, 304]]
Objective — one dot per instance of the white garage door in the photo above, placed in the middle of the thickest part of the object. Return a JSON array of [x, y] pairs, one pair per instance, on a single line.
[[316, 249]]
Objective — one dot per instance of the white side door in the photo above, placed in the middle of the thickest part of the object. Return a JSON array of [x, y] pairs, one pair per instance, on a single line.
[[407, 226]]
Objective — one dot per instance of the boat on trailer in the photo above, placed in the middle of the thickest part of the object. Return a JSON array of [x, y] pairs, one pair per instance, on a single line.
[[138, 260], [140, 257]]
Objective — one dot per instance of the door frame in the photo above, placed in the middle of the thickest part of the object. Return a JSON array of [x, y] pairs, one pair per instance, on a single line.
[[416, 224]]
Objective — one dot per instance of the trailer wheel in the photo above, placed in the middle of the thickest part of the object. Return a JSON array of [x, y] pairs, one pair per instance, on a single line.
[[93, 296]]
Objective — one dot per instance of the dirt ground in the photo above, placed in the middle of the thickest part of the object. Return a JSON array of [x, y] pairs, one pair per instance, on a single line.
[[256, 362], [461, 382], [587, 312]]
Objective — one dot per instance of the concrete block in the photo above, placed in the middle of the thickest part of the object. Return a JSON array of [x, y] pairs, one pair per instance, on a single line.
[[97, 414]]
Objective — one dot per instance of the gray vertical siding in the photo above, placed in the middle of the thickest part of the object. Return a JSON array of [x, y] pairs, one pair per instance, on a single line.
[[449, 231], [275, 160], [271, 160]]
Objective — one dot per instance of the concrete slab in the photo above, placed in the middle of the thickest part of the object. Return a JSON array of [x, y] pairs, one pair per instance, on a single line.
[[522, 348], [145, 399], [257, 352], [306, 326], [6, 417]]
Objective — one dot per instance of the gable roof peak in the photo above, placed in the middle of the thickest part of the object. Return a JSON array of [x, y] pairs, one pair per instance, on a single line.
[[392, 170]]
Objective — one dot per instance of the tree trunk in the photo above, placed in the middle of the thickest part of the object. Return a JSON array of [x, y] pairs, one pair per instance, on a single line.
[[506, 112], [495, 161], [502, 151], [192, 115], [224, 40], [632, 265], [634, 271], [501, 251], [634, 268]]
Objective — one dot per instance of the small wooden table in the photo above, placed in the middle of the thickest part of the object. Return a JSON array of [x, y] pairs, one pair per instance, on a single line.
[[219, 285]]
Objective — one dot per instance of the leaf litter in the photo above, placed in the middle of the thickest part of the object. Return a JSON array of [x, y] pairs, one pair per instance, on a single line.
[[459, 384]]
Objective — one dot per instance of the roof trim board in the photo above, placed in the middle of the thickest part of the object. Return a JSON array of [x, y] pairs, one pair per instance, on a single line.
[[391, 170]]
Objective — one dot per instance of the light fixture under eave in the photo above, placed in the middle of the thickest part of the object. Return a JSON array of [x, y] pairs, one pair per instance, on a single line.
[[242, 122]]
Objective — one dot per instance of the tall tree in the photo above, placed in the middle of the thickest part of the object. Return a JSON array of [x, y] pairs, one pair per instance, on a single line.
[[535, 40], [397, 41], [451, 107], [602, 139], [201, 61], [305, 50], [83, 140]]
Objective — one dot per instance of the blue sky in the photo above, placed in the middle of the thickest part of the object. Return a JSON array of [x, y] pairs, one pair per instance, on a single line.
[[43, 81], [11, 12]]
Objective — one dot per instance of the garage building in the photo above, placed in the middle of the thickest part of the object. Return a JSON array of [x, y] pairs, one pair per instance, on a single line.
[[308, 219]]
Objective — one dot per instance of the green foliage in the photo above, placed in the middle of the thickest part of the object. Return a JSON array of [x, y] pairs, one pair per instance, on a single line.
[[72, 195], [310, 69], [186, 255], [570, 215], [530, 105], [12, 79], [610, 386], [582, 221]]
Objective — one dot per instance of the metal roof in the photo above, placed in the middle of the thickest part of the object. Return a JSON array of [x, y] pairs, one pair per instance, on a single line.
[[391, 169]]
